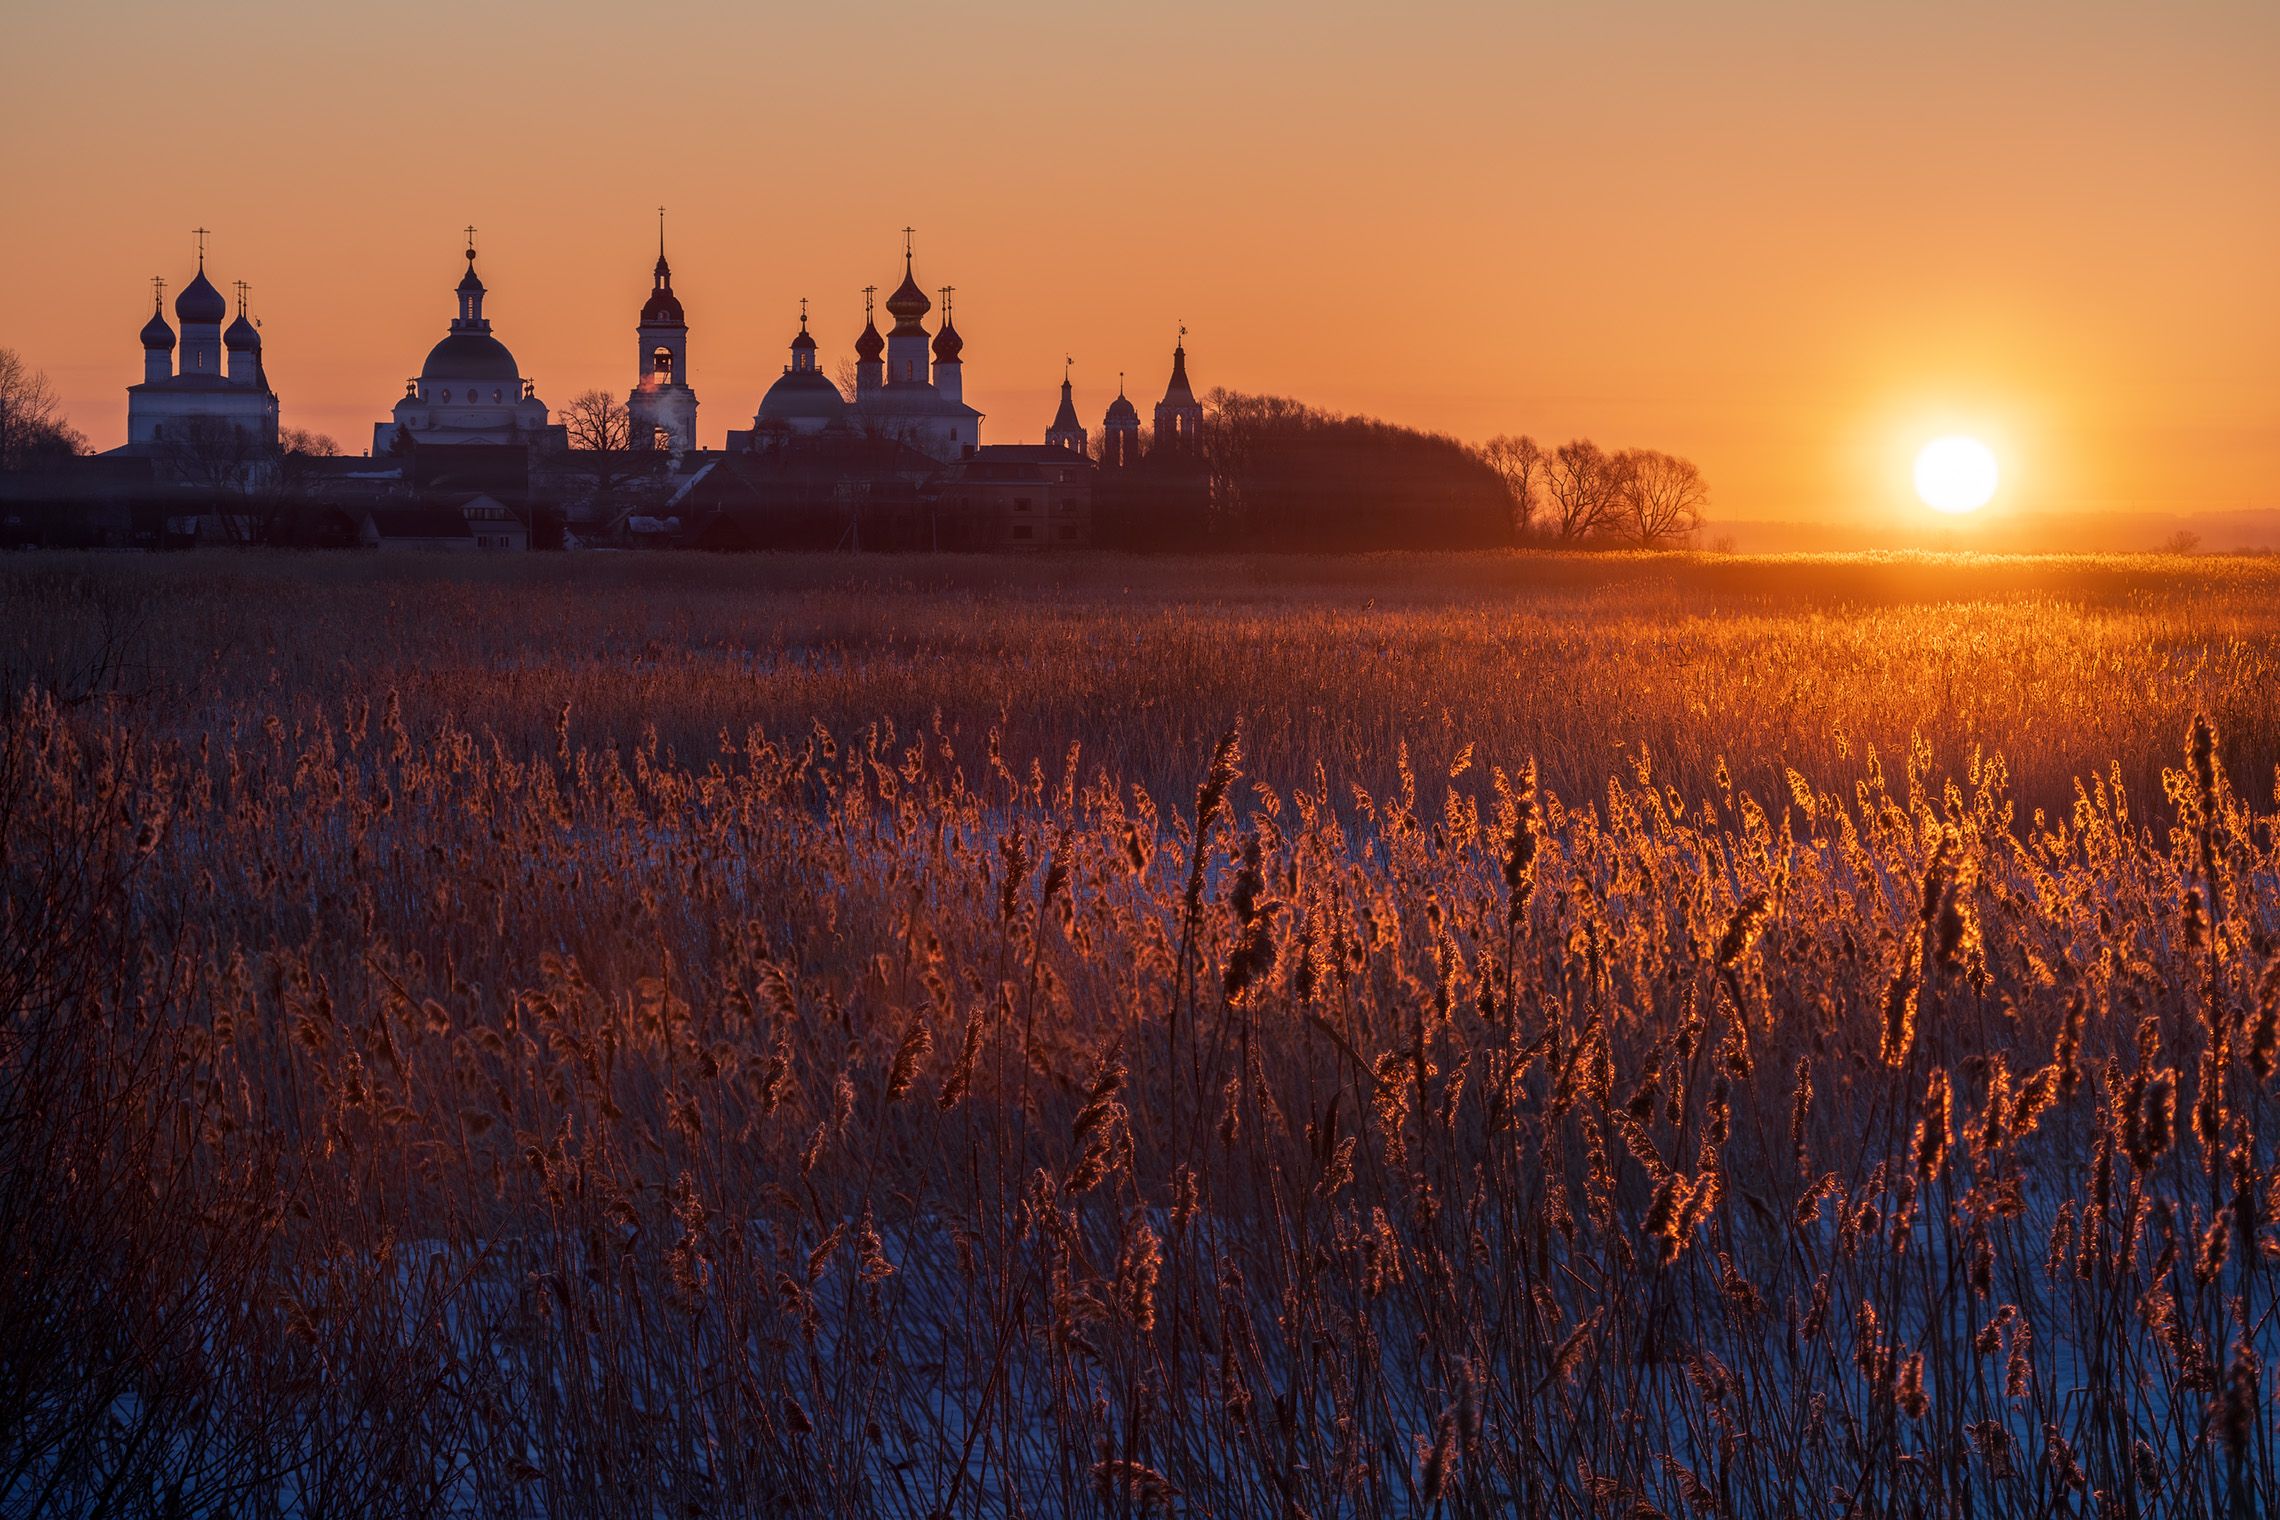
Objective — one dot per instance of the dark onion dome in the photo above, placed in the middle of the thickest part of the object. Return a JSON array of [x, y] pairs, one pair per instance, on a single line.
[[870, 345], [241, 334], [801, 395], [200, 302], [664, 308], [947, 344], [472, 356], [908, 303], [155, 333]]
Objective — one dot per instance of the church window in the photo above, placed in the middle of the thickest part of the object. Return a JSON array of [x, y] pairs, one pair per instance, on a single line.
[[497, 394], [447, 395]]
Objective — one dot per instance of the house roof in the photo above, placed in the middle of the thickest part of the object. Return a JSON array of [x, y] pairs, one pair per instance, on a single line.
[[417, 522]]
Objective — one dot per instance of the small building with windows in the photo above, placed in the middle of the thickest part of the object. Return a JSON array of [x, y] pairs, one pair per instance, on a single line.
[[1016, 497], [470, 390]]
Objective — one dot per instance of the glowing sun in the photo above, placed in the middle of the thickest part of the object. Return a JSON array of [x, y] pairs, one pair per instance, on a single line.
[[1955, 474]]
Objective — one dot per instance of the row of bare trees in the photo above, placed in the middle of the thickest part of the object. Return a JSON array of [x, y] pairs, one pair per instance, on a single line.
[[1580, 492]]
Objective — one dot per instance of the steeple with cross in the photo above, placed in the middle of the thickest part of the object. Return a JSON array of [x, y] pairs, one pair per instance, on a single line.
[[662, 409]]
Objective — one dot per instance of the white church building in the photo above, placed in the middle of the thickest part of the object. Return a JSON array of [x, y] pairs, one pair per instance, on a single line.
[[470, 390], [899, 395], [216, 383]]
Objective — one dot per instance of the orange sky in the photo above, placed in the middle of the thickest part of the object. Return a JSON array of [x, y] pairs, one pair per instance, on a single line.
[[1790, 240]]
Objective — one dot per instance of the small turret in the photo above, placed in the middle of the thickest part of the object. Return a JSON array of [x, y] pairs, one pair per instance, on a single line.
[[1120, 431], [949, 369], [157, 338], [1067, 431], [243, 340], [868, 348]]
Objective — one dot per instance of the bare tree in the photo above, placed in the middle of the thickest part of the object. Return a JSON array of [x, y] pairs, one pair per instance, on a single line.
[[32, 429], [1582, 483], [1660, 497], [209, 452], [846, 377], [1520, 463], [600, 431], [307, 442]]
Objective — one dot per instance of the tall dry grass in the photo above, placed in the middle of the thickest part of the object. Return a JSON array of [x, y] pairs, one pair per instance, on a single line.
[[429, 1087]]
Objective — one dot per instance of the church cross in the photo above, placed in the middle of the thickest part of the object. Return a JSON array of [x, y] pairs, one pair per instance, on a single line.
[[158, 290], [946, 301], [201, 245], [471, 240], [907, 231], [242, 288]]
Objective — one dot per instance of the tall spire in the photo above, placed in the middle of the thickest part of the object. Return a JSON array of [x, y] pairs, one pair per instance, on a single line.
[[664, 271]]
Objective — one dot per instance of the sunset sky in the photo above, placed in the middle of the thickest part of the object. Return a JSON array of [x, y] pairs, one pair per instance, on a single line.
[[1792, 241]]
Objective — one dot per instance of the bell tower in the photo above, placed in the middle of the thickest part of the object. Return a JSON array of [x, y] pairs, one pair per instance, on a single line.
[[662, 410]]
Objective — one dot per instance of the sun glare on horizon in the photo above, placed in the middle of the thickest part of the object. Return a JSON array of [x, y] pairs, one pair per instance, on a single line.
[[1956, 474]]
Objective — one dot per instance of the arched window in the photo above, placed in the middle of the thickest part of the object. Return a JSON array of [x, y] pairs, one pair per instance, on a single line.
[[661, 362]]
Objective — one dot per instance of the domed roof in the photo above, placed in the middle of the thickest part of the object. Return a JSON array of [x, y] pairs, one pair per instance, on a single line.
[[801, 395], [200, 301], [1122, 413], [664, 306], [870, 345], [241, 334], [471, 356], [803, 341], [947, 344], [155, 333], [908, 303]]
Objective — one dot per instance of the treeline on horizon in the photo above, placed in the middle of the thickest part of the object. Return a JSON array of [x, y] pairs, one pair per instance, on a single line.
[[1275, 474], [1288, 475]]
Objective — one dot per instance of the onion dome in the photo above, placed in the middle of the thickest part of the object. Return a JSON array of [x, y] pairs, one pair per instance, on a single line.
[[200, 302], [155, 333], [908, 303], [947, 344], [241, 334], [869, 346]]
